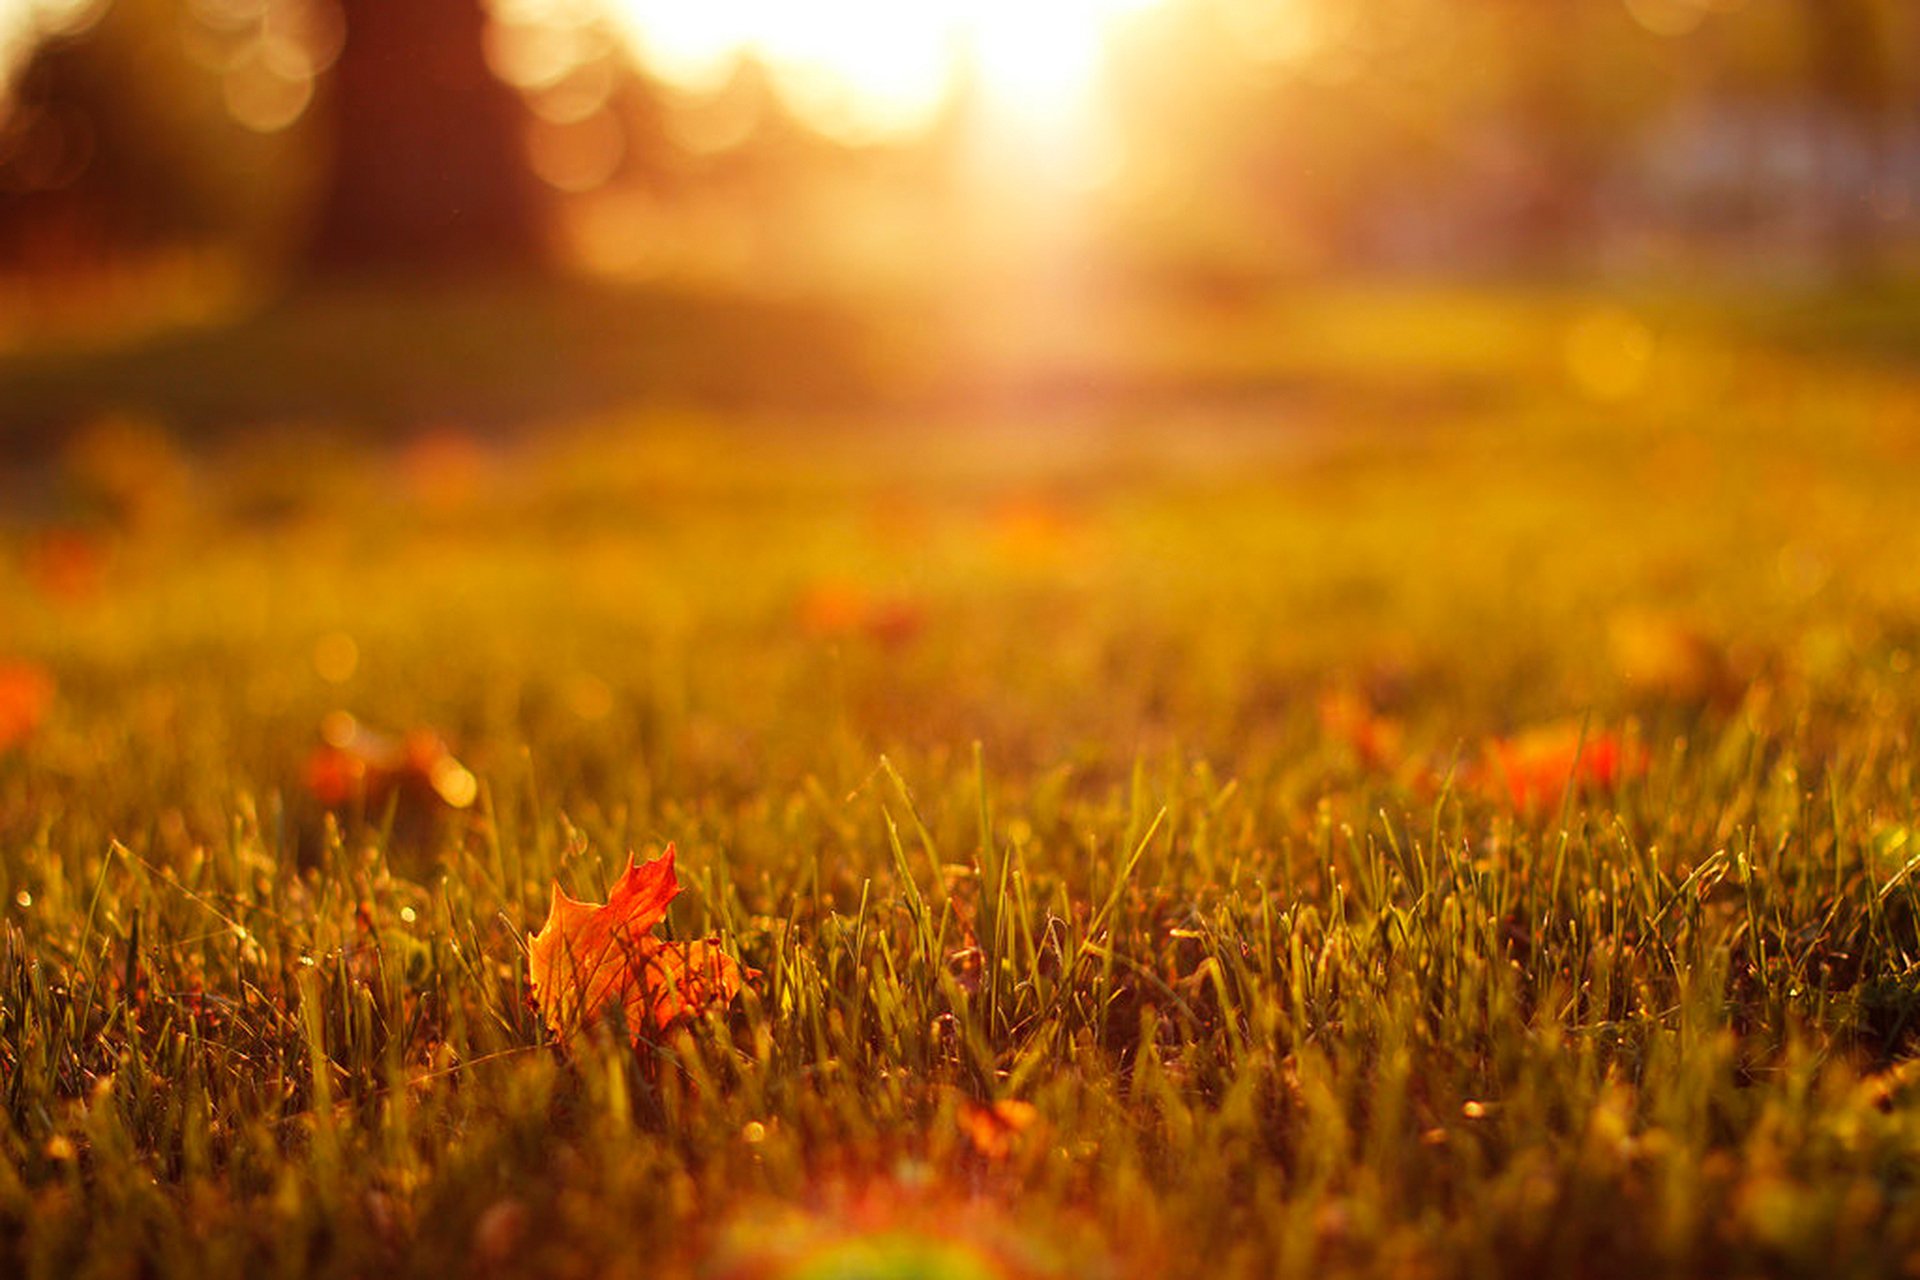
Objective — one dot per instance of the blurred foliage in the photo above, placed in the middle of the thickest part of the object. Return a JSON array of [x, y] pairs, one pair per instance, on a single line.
[[117, 139], [1238, 142]]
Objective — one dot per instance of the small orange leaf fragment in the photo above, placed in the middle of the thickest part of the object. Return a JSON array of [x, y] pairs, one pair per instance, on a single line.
[[591, 957], [995, 1128], [1348, 717], [840, 609], [26, 692], [1535, 768]]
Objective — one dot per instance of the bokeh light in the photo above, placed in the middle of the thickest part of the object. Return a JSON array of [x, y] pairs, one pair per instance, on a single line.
[[23, 23], [867, 70]]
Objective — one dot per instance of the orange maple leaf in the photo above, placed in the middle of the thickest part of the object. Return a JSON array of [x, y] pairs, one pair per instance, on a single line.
[[591, 957]]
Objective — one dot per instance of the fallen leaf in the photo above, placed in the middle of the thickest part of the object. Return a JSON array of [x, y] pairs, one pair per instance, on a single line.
[[26, 691], [838, 609], [591, 957], [1374, 739], [1534, 768], [994, 1128]]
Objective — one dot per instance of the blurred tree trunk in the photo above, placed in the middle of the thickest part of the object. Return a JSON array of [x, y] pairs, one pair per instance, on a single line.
[[428, 170], [1851, 81], [1557, 192]]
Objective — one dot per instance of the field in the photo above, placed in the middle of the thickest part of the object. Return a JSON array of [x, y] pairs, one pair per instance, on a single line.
[[1391, 785]]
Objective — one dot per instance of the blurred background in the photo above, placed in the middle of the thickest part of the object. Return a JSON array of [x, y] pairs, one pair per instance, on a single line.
[[394, 215], [1211, 145], [829, 202]]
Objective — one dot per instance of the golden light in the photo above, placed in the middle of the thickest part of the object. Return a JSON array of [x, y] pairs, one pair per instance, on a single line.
[[867, 70], [25, 22]]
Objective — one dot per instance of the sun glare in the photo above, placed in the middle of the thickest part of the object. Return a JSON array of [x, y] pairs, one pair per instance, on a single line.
[[24, 21], [872, 69], [859, 70]]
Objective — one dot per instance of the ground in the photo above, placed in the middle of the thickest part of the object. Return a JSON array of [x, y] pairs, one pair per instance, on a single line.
[[1373, 783]]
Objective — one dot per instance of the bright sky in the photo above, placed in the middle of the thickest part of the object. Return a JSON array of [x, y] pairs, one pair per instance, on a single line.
[[884, 67], [858, 68], [21, 20]]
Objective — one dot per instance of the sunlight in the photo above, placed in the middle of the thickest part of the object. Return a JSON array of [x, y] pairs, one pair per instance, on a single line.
[[866, 70], [23, 22]]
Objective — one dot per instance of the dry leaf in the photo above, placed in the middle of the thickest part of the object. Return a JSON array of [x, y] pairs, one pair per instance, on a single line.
[[26, 692], [995, 1128], [1348, 717], [590, 957], [1534, 768], [838, 609]]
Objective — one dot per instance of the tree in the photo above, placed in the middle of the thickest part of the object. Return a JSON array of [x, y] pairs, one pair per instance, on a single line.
[[1850, 79], [427, 171]]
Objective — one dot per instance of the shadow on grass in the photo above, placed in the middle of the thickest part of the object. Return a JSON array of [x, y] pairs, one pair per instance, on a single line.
[[382, 362], [379, 361]]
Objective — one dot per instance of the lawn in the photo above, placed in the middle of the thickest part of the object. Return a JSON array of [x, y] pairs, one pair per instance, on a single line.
[[1370, 784]]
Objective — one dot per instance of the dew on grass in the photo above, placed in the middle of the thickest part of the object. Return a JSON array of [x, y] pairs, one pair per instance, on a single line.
[[453, 782]]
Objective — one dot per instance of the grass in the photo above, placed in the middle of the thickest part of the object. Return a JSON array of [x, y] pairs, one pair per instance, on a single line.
[[1071, 829]]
